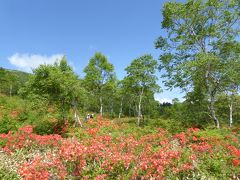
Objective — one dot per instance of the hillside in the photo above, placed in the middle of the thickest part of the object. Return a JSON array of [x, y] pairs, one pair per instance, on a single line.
[[12, 80]]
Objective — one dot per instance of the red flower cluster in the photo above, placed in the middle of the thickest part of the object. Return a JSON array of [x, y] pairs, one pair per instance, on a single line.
[[202, 147], [102, 156], [40, 169], [236, 154]]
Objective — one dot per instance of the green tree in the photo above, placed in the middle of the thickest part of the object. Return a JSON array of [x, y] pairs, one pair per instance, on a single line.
[[191, 57], [56, 83], [119, 97], [3, 80], [228, 106], [141, 79], [99, 77], [231, 80]]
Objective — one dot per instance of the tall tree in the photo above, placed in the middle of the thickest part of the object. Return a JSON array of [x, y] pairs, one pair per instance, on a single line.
[[99, 77], [119, 95], [231, 85], [57, 83], [196, 31], [141, 79]]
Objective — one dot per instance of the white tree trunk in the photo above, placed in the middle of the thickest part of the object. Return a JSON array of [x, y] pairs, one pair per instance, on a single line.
[[120, 111], [77, 120], [213, 113], [211, 94], [139, 108], [230, 114], [101, 106]]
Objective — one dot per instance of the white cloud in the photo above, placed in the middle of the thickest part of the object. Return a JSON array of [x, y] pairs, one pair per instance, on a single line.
[[27, 62], [164, 100]]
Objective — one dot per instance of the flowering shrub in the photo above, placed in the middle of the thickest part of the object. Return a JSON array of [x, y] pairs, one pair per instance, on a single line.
[[102, 155], [38, 169]]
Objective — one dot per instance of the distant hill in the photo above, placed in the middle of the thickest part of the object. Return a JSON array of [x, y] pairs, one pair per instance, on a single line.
[[12, 80]]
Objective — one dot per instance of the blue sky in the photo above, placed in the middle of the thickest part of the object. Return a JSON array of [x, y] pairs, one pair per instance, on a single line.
[[34, 31]]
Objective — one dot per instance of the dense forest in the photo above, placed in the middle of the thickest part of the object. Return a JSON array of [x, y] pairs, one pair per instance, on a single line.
[[11, 81], [197, 138]]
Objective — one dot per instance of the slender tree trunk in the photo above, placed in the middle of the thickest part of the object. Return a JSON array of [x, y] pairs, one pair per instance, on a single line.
[[101, 106], [230, 114], [211, 94], [139, 114], [139, 108], [120, 111], [213, 113], [77, 120]]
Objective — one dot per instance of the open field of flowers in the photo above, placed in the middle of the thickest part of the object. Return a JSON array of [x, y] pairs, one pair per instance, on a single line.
[[106, 150]]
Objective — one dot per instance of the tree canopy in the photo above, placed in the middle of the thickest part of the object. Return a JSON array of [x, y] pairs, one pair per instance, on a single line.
[[199, 34], [100, 76], [57, 83], [141, 79]]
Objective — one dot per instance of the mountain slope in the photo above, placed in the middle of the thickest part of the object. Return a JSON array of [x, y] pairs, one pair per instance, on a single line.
[[12, 80]]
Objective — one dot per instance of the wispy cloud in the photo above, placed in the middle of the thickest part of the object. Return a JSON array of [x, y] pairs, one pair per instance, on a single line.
[[27, 62]]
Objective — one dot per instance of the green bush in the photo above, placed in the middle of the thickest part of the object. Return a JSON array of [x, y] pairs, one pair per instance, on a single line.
[[7, 124], [173, 126], [43, 127]]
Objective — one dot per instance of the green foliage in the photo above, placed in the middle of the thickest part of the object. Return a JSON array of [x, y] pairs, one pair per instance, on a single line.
[[11, 81], [54, 84], [7, 124], [11, 103], [16, 112], [141, 74], [99, 72], [201, 47], [99, 80], [172, 125], [214, 133], [43, 126], [140, 82]]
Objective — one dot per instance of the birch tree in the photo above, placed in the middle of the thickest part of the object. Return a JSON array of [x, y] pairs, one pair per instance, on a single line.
[[120, 97], [230, 52], [141, 79], [196, 30], [99, 76]]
